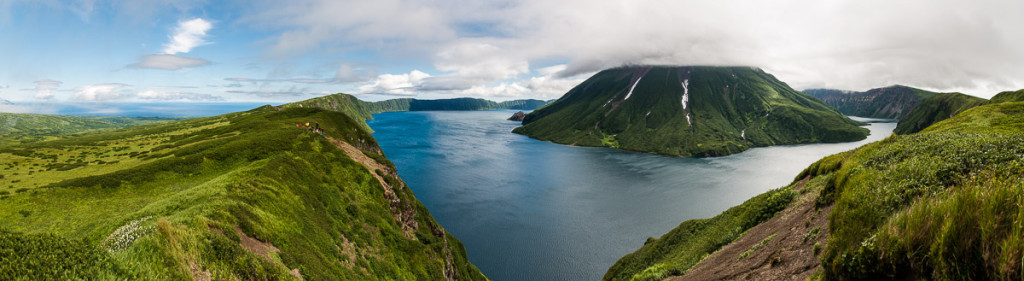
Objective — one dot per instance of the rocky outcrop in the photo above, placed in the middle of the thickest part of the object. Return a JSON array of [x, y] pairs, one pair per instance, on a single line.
[[518, 116]]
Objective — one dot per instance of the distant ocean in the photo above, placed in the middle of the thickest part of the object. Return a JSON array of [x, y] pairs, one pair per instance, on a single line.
[[172, 109]]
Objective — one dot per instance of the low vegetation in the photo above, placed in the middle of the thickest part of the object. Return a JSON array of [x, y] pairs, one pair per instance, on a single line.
[[756, 246], [17, 128], [942, 204], [242, 196], [936, 108], [1008, 96]]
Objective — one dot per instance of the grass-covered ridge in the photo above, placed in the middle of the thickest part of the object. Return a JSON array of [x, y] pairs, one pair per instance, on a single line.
[[936, 108], [364, 110], [1008, 96], [26, 127], [246, 195], [689, 111], [941, 204]]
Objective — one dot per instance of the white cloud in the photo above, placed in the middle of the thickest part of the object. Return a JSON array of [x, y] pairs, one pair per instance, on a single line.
[[395, 84], [937, 44], [44, 88], [348, 73], [176, 96], [168, 62], [189, 34], [548, 86], [469, 63], [101, 92]]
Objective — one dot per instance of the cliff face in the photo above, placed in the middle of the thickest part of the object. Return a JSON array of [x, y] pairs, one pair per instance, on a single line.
[[893, 102], [688, 111]]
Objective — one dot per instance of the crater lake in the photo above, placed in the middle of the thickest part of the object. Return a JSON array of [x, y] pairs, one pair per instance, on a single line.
[[532, 210]]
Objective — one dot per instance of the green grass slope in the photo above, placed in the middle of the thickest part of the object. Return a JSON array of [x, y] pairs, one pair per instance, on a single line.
[[689, 111], [893, 102], [363, 110], [936, 108], [24, 127], [1008, 96], [943, 204], [241, 196]]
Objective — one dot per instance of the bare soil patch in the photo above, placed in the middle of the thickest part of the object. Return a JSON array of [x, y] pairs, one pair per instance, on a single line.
[[790, 255]]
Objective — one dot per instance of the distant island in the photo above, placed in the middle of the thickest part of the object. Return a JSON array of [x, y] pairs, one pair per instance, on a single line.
[[687, 111]]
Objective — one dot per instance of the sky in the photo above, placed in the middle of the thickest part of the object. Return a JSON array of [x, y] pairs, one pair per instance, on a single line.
[[95, 52]]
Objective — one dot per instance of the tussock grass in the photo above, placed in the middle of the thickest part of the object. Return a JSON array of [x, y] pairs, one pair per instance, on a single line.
[[941, 204]]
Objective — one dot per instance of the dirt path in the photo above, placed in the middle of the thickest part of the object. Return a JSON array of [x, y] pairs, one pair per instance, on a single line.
[[404, 214], [367, 162], [787, 256]]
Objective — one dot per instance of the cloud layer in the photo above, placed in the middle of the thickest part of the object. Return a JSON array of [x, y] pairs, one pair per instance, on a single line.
[[168, 62], [44, 88], [944, 44], [176, 96], [101, 92]]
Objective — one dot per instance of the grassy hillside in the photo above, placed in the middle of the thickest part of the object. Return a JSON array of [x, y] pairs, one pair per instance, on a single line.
[[893, 102], [363, 110], [942, 204], [1008, 96], [936, 108], [23, 128], [241, 196], [689, 111]]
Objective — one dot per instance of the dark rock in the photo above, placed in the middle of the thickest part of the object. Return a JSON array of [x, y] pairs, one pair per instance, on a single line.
[[518, 116]]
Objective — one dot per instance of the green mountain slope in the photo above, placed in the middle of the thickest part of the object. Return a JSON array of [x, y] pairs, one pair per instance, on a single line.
[[942, 204], [363, 110], [1008, 96], [893, 102], [22, 127], [936, 108], [241, 196], [690, 111]]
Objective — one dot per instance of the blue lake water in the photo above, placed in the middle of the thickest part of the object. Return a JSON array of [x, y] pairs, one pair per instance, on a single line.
[[532, 210]]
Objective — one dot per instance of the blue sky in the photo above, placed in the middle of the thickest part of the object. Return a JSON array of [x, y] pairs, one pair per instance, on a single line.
[[93, 51]]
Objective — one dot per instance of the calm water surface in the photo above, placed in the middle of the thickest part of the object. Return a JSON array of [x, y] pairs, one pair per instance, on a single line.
[[532, 210]]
